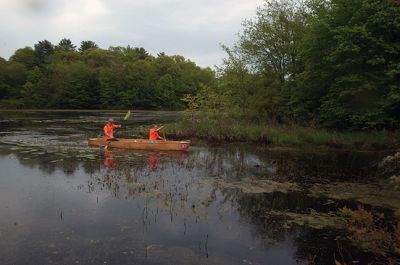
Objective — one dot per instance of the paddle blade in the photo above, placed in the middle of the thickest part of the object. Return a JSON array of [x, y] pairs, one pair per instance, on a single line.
[[127, 115]]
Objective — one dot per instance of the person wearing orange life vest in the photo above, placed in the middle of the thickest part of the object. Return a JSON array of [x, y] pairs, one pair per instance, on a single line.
[[153, 135], [108, 130]]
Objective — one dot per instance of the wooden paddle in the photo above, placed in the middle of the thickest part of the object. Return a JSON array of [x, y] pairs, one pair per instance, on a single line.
[[165, 139], [127, 115]]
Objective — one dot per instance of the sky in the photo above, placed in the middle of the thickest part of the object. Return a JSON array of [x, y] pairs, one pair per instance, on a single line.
[[192, 28]]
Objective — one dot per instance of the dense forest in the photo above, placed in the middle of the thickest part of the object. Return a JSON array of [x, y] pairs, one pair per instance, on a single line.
[[325, 63], [61, 76]]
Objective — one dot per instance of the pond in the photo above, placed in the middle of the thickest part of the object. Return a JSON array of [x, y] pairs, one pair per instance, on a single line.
[[63, 202]]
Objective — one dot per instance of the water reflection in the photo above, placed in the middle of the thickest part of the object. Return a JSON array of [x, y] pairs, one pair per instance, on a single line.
[[187, 193], [65, 203], [153, 159], [224, 162], [109, 161]]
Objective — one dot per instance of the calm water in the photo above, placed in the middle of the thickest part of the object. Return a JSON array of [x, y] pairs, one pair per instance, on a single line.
[[62, 202]]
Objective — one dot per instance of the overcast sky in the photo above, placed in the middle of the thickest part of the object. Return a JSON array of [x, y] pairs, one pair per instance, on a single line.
[[192, 28]]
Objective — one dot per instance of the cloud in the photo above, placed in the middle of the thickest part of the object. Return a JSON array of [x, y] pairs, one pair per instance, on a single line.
[[193, 29]]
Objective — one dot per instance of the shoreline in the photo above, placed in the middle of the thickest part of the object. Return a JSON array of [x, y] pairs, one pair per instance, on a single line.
[[289, 137], [274, 137], [283, 148]]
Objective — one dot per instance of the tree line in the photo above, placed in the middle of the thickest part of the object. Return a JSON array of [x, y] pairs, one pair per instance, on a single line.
[[62, 76], [324, 63]]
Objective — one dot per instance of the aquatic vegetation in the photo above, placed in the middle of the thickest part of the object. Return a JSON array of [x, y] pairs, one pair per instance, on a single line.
[[223, 127], [390, 165], [253, 185], [395, 181], [372, 231], [247, 197], [365, 193], [313, 219], [393, 159]]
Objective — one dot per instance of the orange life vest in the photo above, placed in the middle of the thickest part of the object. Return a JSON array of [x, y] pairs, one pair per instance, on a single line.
[[153, 134], [109, 131]]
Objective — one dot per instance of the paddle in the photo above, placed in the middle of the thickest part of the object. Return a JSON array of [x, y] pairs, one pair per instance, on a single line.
[[127, 115], [165, 139]]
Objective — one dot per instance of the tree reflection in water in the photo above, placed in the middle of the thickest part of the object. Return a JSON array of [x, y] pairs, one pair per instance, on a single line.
[[186, 187]]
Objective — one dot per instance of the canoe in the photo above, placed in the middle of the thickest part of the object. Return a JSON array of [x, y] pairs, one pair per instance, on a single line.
[[141, 144]]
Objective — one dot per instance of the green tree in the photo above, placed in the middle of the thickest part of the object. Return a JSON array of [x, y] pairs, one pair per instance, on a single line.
[[87, 44], [129, 54], [65, 45], [140, 84], [43, 50], [61, 77], [37, 91], [25, 56], [111, 84], [261, 68], [13, 76], [187, 78], [352, 73], [270, 43], [95, 58], [164, 91], [65, 56], [71, 85], [240, 90], [141, 52]]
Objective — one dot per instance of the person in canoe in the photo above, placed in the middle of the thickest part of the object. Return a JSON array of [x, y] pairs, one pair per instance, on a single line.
[[153, 135], [108, 130]]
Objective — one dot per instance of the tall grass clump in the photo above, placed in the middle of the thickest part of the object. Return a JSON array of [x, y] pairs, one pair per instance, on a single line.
[[225, 127]]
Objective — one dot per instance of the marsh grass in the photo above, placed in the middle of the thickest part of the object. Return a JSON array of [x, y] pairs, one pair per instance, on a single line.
[[373, 231], [219, 127]]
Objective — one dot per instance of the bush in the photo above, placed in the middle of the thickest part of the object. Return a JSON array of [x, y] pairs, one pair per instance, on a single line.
[[11, 104]]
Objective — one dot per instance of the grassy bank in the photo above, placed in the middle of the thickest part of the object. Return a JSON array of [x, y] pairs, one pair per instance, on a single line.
[[228, 130]]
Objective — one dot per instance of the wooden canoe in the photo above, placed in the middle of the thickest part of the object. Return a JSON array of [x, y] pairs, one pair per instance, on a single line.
[[142, 144]]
